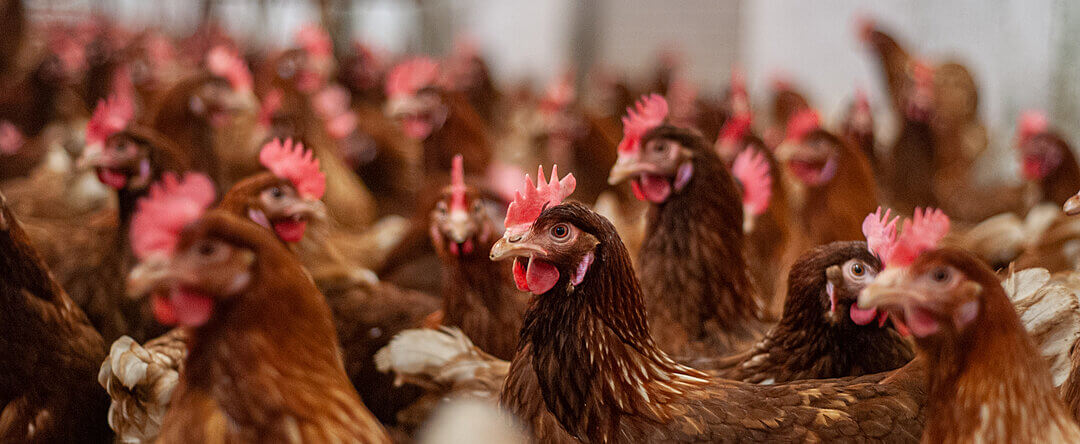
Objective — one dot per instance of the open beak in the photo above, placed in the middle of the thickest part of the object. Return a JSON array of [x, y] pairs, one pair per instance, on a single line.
[[513, 246], [890, 290], [148, 276], [1072, 206]]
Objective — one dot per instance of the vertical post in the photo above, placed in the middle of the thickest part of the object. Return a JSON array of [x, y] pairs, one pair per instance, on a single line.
[[1065, 84], [586, 29]]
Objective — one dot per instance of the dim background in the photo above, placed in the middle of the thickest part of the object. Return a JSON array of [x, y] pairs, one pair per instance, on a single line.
[[1023, 53]]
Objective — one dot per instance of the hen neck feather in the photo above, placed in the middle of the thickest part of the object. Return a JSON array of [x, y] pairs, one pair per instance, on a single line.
[[991, 383], [693, 257], [592, 353]]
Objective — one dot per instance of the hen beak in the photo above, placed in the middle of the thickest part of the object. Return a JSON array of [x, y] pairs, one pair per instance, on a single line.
[[148, 276], [510, 247], [890, 290], [91, 157], [458, 227], [313, 209], [785, 151], [625, 167], [1072, 206]]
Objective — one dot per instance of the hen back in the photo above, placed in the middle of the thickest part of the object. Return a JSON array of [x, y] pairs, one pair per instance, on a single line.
[[50, 352]]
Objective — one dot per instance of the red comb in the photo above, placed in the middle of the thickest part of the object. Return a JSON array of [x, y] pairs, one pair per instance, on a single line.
[[738, 80], [170, 206], [649, 112], [880, 232], [1032, 122], [524, 210], [465, 47], [315, 40], [410, 76], [110, 117], [802, 123], [734, 129], [226, 63], [752, 171], [271, 103], [558, 94], [920, 233], [923, 74], [864, 27], [780, 81], [291, 161], [457, 184], [862, 101]]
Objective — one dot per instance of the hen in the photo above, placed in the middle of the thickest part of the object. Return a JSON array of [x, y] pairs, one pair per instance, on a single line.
[[698, 290], [478, 296], [126, 158], [833, 185], [774, 241], [1047, 160], [987, 383], [50, 352], [577, 139], [443, 120], [822, 334], [366, 312], [264, 362], [588, 369]]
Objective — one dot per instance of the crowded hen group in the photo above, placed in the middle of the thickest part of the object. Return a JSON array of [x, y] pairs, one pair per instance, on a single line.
[[206, 242]]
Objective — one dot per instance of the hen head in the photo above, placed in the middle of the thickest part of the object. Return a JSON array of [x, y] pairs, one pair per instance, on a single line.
[[125, 161], [832, 276], [1040, 151], [215, 101], [811, 154], [859, 120], [274, 203], [938, 297], [550, 243], [460, 222], [656, 157], [213, 261], [414, 98]]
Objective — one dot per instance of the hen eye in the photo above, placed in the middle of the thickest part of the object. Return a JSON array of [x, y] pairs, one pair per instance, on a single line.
[[857, 269], [277, 193], [560, 231], [477, 207], [206, 249], [940, 275], [441, 208], [660, 147]]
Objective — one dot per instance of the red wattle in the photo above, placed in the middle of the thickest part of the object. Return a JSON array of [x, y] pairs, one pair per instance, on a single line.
[[111, 178], [656, 189], [192, 309], [541, 276], [290, 230], [519, 274], [860, 316], [636, 187], [417, 128], [163, 310]]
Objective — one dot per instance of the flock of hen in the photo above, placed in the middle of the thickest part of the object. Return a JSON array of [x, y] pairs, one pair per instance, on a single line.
[[330, 249]]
